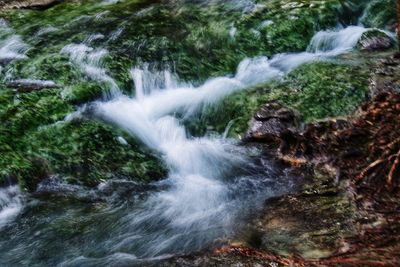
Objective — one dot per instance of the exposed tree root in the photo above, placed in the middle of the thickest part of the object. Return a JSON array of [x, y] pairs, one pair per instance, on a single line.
[[369, 168], [394, 169]]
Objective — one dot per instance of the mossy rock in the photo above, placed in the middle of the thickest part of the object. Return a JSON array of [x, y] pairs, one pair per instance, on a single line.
[[88, 152], [20, 113], [82, 93], [33, 145], [323, 89], [51, 66], [375, 40], [380, 14], [317, 90]]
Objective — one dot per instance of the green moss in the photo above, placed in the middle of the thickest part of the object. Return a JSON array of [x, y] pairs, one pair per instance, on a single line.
[[51, 66], [326, 90], [82, 93], [317, 90], [380, 14], [32, 146], [88, 152], [197, 38], [23, 112]]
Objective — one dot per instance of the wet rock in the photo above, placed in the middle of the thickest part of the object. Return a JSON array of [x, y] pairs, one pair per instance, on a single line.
[[271, 122], [375, 40], [5, 61], [386, 77], [110, 191], [28, 4], [312, 226], [27, 85], [56, 187], [38, 170]]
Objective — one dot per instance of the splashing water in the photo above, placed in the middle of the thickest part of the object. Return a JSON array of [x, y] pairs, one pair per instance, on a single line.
[[11, 45], [12, 48], [10, 204], [146, 80], [89, 60], [198, 205]]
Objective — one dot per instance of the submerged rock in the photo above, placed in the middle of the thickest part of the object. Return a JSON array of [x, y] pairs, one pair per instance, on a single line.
[[271, 122], [28, 85], [5, 61], [309, 226], [375, 40]]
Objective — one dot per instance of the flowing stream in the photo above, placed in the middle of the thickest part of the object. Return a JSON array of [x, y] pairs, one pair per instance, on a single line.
[[203, 198], [213, 183]]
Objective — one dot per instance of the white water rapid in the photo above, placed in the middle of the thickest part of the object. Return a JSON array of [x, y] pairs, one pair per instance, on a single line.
[[202, 197]]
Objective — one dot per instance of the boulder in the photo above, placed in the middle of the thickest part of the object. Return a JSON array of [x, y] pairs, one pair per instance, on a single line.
[[375, 40], [270, 122]]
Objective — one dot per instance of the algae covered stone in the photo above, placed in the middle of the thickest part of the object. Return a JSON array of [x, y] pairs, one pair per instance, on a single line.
[[316, 90], [375, 40]]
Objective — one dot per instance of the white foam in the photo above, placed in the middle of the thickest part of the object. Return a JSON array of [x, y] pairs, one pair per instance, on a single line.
[[10, 204]]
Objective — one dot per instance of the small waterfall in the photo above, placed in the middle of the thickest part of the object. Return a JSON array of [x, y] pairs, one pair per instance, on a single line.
[[197, 200], [323, 45], [336, 42], [146, 81], [10, 204]]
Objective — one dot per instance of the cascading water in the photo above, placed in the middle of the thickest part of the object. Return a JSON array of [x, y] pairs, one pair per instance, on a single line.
[[197, 207], [336, 42], [202, 198], [212, 182]]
